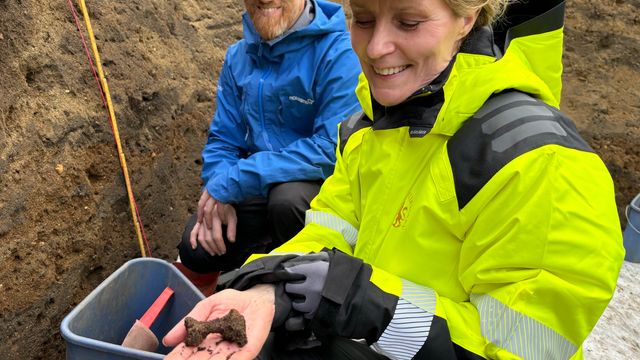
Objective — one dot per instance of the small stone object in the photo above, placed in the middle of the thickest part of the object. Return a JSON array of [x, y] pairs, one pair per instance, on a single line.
[[231, 327], [59, 168]]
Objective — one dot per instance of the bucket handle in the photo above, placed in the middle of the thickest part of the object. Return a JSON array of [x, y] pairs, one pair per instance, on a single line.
[[626, 213]]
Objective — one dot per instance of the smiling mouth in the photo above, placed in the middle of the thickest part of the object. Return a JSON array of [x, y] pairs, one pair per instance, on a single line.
[[268, 10], [390, 70]]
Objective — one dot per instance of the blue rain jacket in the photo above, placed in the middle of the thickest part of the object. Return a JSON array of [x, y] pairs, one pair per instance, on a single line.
[[278, 107]]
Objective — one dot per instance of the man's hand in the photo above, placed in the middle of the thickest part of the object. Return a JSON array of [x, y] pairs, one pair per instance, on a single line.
[[207, 231], [257, 305]]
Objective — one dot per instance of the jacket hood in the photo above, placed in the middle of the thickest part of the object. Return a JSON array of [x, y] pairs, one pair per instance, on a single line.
[[329, 17], [531, 62]]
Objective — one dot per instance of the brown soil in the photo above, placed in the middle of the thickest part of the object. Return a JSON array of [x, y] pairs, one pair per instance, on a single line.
[[64, 218], [231, 327]]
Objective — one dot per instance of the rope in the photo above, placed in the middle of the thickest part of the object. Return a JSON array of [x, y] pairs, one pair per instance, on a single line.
[[106, 100], [629, 222]]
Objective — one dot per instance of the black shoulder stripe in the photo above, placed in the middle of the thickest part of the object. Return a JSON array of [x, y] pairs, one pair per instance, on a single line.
[[348, 127], [507, 126], [497, 102]]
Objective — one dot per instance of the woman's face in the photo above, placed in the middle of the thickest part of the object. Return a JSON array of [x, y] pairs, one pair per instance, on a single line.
[[404, 44]]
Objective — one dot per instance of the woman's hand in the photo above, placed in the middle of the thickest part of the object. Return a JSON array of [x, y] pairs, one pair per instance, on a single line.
[[257, 305]]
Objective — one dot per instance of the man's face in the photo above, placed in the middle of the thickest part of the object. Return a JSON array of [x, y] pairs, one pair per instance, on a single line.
[[272, 18]]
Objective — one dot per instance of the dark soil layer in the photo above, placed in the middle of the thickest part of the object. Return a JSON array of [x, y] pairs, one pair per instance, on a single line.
[[65, 224]]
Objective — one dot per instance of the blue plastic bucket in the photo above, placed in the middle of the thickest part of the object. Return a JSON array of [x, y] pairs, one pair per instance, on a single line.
[[95, 328], [632, 231]]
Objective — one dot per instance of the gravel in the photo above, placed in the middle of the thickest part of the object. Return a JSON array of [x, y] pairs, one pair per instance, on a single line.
[[617, 334]]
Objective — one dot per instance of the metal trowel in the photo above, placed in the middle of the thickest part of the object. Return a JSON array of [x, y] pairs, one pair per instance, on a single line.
[[140, 335]]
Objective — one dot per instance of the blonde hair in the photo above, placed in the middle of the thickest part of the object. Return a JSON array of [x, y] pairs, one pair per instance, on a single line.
[[490, 10]]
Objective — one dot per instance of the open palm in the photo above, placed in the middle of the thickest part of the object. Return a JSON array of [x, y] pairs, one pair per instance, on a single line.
[[257, 307]]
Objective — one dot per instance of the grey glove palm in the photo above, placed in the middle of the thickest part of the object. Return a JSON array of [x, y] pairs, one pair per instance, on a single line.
[[307, 293]]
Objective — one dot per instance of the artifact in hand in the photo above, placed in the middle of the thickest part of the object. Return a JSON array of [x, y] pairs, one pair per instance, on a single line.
[[231, 326]]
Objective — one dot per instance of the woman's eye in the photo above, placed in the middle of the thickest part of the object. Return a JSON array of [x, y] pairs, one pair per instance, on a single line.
[[363, 23], [409, 25]]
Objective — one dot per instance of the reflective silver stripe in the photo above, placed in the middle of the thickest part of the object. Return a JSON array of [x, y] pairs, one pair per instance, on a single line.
[[420, 296], [508, 116], [288, 253], [409, 328], [518, 333], [406, 333], [510, 138], [353, 119], [501, 100], [333, 222]]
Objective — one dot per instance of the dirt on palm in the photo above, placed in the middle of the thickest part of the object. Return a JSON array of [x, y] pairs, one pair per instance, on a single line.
[[65, 224]]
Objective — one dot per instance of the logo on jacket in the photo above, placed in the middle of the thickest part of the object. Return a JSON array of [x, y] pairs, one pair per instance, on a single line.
[[301, 100], [403, 212], [418, 132]]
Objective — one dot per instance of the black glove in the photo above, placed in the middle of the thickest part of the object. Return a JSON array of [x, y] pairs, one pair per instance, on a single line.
[[265, 270]]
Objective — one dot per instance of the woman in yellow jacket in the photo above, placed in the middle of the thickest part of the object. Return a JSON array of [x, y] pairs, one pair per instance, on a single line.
[[465, 219]]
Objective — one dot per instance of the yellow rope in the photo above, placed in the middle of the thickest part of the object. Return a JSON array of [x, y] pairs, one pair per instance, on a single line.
[[114, 124]]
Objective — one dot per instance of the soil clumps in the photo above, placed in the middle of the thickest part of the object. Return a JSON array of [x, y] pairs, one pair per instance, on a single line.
[[231, 327]]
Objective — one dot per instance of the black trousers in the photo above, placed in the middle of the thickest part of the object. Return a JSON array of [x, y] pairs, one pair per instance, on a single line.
[[263, 224], [331, 349]]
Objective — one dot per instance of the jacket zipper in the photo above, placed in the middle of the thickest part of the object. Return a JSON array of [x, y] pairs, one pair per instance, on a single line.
[[265, 136]]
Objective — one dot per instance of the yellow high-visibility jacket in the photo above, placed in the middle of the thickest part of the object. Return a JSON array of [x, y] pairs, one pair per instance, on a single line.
[[489, 227]]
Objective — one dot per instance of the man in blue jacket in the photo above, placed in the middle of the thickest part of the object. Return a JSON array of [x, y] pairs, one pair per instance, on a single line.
[[282, 91]]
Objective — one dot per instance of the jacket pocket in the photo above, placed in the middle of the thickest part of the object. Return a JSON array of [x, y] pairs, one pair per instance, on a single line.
[[296, 114]]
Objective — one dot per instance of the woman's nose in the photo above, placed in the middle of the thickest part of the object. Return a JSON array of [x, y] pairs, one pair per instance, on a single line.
[[381, 42]]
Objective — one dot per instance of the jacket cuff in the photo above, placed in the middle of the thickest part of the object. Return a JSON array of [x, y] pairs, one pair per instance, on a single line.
[[351, 305]]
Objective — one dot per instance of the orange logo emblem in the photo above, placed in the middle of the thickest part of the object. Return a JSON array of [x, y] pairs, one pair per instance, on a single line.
[[403, 212]]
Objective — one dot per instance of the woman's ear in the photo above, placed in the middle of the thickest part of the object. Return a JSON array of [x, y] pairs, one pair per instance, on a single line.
[[467, 23]]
